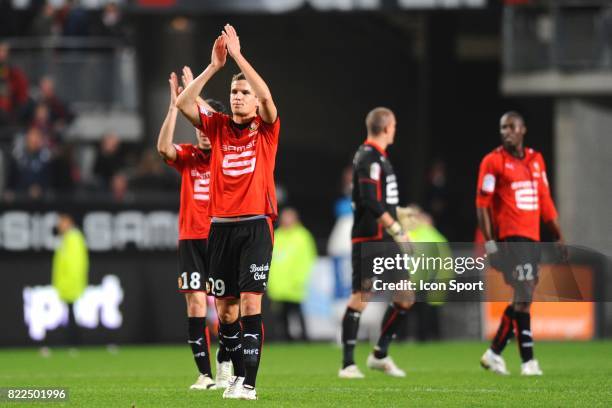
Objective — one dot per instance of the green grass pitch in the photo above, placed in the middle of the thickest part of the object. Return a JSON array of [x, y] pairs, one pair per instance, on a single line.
[[304, 375]]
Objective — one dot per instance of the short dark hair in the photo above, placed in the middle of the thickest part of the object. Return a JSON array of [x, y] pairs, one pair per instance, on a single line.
[[377, 119], [516, 115], [238, 77], [217, 105]]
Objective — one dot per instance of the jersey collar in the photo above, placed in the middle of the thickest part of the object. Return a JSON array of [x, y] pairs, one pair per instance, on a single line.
[[202, 152], [377, 147], [252, 125], [527, 153]]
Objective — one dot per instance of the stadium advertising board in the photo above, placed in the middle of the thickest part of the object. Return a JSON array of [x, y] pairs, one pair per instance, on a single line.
[[131, 291], [118, 229], [130, 298], [551, 320]]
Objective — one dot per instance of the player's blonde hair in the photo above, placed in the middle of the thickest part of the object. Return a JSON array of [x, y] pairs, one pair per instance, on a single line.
[[377, 119]]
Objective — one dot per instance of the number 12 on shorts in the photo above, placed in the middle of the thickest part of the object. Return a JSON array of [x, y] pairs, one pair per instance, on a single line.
[[190, 281], [524, 272]]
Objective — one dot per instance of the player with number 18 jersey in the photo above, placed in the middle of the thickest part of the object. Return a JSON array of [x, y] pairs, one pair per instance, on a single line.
[[193, 164], [192, 161]]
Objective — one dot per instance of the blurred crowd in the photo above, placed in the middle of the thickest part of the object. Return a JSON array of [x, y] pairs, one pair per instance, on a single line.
[[37, 159], [68, 18]]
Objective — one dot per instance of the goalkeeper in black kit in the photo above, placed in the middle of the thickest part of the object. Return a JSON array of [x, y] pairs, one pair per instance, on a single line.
[[375, 198]]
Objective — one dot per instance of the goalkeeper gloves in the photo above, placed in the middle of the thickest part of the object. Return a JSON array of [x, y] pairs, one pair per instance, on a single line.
[[396, 231], [399, 236]]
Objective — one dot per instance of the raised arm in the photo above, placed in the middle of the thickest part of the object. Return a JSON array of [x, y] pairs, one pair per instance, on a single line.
[[165, 148], [186, 79], [188, 99], [267, 109]]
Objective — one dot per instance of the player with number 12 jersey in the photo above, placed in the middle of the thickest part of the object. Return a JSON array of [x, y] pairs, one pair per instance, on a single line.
[[512, 197]]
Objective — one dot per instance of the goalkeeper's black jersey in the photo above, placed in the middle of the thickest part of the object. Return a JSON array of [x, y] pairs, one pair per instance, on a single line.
[[374, 192]]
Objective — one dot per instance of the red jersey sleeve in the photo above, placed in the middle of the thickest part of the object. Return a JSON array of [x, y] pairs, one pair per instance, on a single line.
[[181, 157], [487, 179], [271, 131], [211, 122], [547, 205]]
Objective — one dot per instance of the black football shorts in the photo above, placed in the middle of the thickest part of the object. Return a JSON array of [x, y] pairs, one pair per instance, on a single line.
[[519, 259], [192, 265], [362, 259], [240, 253]]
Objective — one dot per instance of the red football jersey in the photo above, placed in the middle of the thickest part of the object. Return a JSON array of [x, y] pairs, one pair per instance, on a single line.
[[194, 166], [517, 192], [242, 165]]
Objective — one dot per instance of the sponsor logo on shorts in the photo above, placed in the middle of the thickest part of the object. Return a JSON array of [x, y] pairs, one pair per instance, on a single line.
[[259, 271]]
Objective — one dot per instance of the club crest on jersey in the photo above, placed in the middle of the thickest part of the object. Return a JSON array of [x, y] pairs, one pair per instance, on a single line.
[[253, 128], [488, 183]]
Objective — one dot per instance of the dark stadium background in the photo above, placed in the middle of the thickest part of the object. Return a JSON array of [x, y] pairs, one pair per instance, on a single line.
[[440, 69], [328, 70]]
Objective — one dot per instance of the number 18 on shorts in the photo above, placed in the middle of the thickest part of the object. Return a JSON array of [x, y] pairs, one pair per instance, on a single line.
[[192, 260]]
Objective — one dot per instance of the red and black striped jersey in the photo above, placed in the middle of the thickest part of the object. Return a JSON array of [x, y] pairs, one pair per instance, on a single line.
[[374, 192]]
